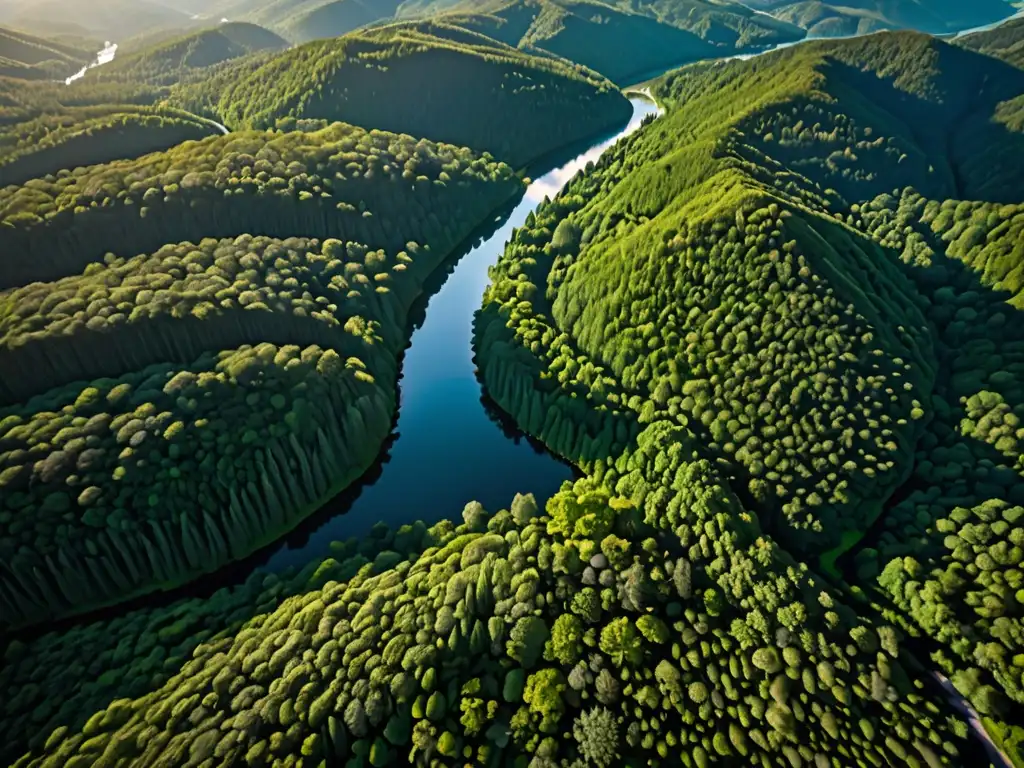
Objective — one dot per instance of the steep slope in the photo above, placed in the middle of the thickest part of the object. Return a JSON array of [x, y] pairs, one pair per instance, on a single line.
[[35, 58], [167, 62], [744, 270], [1005, 42], [431, 80]]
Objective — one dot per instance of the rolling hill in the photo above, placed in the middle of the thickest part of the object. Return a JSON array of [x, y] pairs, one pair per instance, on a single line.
[[168, 61], [432, 80], [35, 58], [619, 39], [1005, 42]]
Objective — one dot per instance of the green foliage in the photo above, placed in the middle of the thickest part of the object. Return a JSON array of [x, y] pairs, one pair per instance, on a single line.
[[470, 90], [139, 457], [526, 641], [597, 734], [188, 57], [316, 658], [838, 19]]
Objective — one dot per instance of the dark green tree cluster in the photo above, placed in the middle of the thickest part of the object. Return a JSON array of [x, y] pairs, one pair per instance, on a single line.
[[584, 634], [849, 356], [157, 476], [345, 182], [427, 79], [84, 136]]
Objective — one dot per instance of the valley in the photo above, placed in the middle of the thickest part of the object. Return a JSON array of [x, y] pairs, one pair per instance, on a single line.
[[390, 384]]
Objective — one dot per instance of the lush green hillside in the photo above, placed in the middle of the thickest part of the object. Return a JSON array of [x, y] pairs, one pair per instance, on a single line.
[[49, 127], [853, 17], [168, 61], [620, 39], [621, 45], [432, 80], [35, 58], [848, 355], [1005, 42], [631, 41], [593, 630], [196, 401]]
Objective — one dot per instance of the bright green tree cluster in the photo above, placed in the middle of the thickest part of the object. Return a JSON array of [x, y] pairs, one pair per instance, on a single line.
[[825, 302], [426, 646]]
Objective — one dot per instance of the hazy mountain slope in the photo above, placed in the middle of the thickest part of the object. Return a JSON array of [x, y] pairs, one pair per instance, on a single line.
[[823, 19], [168, 61], [108, 19], [30, 57]]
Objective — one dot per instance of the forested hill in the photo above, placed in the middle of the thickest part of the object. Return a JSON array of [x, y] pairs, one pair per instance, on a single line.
[[433, 80], [1005, 42], [811, 266], [621, 44], [828, 19], [168, 306], [49, 127], [168, 61], [35, 58]]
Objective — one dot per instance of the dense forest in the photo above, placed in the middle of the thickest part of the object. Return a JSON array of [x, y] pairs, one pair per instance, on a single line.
[[576, 634], [774, 331], [132, 410], [742, 271], [468, 88]]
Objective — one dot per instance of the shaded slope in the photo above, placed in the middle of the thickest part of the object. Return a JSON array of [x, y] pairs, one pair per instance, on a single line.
[[626, 41], [430, 80], [49, 127], [35, 58]]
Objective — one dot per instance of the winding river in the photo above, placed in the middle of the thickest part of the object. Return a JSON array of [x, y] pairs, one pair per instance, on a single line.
[[450, 446], [102, 57]]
